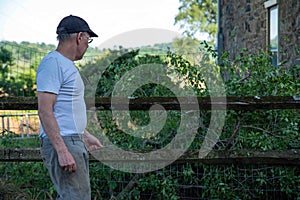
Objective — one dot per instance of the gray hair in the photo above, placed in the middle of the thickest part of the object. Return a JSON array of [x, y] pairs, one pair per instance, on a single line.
[[62, 36]]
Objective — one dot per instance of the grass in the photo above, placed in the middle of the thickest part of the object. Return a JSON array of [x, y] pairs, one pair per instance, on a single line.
[[11, 141]]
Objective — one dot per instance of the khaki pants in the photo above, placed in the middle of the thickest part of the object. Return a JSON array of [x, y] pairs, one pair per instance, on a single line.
[[69, 185]]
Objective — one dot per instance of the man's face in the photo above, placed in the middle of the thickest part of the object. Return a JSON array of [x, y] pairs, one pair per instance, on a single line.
[[83, 40]]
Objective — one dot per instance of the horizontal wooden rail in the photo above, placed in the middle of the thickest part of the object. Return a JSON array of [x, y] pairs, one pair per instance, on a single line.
[[288, 157], [276, 157], [169, 103]]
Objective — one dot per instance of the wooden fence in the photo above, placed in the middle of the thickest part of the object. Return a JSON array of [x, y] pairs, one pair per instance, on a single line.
[[24, 124], [276, 157]]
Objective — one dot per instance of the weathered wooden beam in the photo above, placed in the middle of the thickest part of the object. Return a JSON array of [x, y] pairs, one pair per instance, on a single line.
[[20, 155], [276, 157], [202, 103], [169, 103], [239, 157], [262, 103], [18, 103]]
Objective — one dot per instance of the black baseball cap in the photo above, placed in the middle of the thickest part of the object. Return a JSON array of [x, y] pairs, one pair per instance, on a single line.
[[74, 24]]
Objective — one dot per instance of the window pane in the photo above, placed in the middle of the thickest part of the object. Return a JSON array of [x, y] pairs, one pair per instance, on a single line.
[[274, 27], [274, 33]]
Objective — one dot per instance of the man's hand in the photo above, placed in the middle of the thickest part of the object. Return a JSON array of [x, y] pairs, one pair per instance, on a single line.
[[91, 141], [66, 161]]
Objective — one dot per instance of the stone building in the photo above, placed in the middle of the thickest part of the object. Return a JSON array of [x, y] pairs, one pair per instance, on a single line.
[[268, 25]]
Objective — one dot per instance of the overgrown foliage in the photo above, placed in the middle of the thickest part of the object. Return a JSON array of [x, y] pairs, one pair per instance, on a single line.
[[249, 75]]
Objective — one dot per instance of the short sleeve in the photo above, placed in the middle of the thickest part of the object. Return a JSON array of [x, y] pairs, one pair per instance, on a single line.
[[49, 76]]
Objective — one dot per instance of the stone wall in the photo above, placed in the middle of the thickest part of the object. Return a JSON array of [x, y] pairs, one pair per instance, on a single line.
[[289, 42], [244, 25]]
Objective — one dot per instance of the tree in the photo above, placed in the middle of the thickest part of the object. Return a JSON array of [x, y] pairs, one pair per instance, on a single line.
[[6, 61], [198, 16]]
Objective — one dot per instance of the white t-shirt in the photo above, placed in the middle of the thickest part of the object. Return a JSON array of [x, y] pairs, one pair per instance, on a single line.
[[58, 74]]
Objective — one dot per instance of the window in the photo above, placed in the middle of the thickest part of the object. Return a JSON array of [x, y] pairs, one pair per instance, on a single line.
[[273, 34], [273, 30]]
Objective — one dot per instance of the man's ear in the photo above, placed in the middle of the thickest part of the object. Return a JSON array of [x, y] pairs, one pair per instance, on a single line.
[[78, 37]]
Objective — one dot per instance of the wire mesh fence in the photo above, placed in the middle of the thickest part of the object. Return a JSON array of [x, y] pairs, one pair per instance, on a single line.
[[176, 181], [18, 65]]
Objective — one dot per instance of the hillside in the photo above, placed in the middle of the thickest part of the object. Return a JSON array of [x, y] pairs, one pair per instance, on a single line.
[[19, 61]]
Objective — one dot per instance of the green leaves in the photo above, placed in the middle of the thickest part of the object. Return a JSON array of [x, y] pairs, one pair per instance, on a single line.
[[198, 16]]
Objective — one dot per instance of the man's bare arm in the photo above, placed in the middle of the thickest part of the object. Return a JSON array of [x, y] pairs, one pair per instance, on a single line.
[[46, 103]]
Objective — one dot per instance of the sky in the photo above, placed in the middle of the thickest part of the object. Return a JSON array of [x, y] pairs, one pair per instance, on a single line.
[[131, 22]]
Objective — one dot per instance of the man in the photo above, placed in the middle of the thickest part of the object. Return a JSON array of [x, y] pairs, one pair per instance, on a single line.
[[62, 112]]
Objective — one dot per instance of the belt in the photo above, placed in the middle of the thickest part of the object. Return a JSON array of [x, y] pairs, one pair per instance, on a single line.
[[73, 137]]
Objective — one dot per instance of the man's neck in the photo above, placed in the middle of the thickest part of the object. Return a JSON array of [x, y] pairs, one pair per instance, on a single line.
[[67, 50]]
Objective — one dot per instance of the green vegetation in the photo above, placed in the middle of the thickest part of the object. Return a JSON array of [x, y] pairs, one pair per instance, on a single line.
[[18, 65], [248, 75], [198, 16]]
